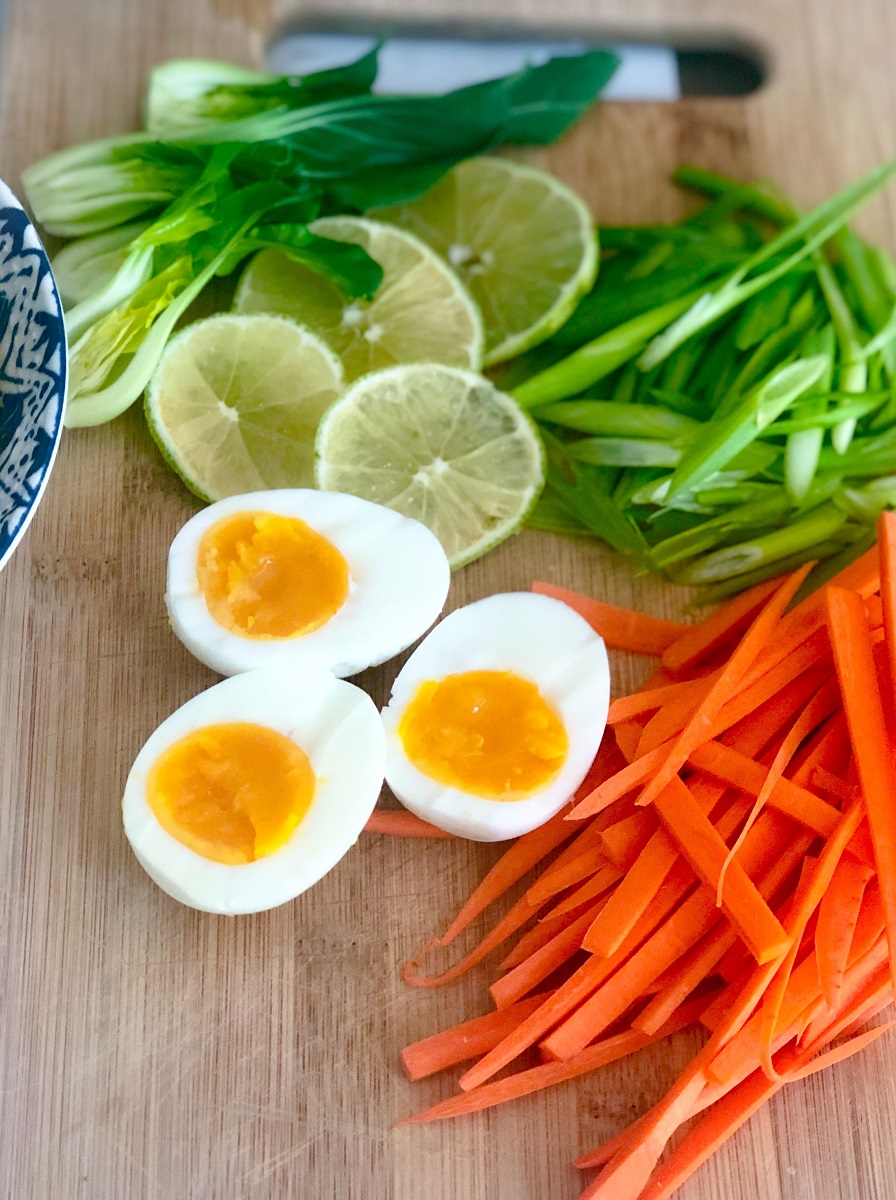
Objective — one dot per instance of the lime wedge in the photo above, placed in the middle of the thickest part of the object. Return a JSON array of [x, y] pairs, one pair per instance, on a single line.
[[523, 243], [439, 444], [235, 403], [421, 311]]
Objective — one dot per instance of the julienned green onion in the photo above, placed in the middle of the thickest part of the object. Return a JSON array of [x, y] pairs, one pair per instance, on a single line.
[[732, 429]]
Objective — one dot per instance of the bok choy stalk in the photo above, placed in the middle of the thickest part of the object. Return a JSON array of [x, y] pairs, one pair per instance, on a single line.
[[722, 406], [235, 161]]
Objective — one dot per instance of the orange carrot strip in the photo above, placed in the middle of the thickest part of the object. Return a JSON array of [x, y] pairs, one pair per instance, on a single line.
[[514, 919], [760, 686], [698, 642], [558, 879], [669, 720], [624, 841], [886, 543], [874, 991], [808, 618], [402, 824], [627, 1172], [619, 785], [733, 1109], [692, 919], [739, 1057], [819, 708], [699, 726], [639, 703], [725, 763], [838, 913], [539, 965], [839, 1053], [699, 962], [705, 850], [807, 899], [609, 1149], [588, 891], [833, 785], [711, 1132], [640, 884], [539, 935], [463, 1042], [578, 987], [635, 891], [522, 856], [772, 701], [620, 628], [549, 1074], [628, 737], [864, 714]]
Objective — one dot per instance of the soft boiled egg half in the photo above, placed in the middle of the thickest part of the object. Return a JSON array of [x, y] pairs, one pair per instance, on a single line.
[[314, 579], [254, 789], [497, 716]]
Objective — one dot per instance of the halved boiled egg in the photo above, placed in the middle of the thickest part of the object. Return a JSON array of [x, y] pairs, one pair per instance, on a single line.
[[497, 716], [251, 791], [318, 579]]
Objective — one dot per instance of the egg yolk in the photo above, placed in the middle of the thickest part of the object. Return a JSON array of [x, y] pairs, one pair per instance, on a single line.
[[491, 733], [268, 576], [232, 792]]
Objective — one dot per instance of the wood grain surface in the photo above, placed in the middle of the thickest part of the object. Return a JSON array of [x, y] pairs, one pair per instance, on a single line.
[[150, 1052]]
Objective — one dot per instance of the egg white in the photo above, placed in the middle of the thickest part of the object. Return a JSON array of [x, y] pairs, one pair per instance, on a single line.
[[541, 640], [333, 722], [399, 579]]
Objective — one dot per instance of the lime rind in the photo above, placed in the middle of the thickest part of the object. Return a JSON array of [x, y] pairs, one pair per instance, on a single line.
[[391, 462]]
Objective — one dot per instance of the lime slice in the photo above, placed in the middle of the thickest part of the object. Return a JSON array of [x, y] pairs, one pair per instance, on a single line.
[[438, 444], [523, 243], [421, 311], [235, 403]]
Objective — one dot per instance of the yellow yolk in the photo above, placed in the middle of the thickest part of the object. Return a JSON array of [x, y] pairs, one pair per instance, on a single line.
[[268, 576], [233, 792], [486, 732]]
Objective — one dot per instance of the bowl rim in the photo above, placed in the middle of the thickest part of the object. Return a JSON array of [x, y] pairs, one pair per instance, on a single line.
[[8, 199]]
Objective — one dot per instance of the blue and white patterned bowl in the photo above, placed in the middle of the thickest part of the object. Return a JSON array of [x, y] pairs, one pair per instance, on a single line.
[[33, 372]]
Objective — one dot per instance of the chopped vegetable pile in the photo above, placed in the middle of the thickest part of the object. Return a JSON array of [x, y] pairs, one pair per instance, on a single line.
[[722, 406], [235, 161], [730, 862]]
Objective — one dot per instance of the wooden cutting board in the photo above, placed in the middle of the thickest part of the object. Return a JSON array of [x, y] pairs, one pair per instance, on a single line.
[[151, 1052]]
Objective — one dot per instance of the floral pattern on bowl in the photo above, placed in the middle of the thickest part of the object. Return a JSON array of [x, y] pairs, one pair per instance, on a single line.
[[33, 371]]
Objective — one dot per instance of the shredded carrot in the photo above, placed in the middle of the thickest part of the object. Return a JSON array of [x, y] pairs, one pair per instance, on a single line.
[[638, 704], [851, 642], [704, 849], [522, 856], [886, 541], [620, 628], [700, 641], [669, 720], [819, 708], [541, 963], [698, 729], [736, 769], [402, 824], [838, 914], [558, 879], [623, 841], [433, 1054], [523, 1083], [758, 774], [628, 738]]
